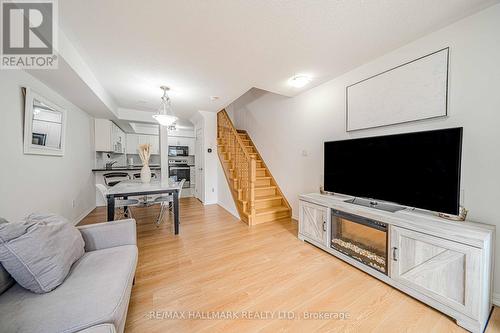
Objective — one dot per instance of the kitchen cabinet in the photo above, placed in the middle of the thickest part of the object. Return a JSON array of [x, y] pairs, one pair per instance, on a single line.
[[154, 141], [109, 137], [132, 144], [134, 140]]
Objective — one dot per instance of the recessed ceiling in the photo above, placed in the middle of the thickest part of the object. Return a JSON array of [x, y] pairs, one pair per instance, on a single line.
[[204, 48]]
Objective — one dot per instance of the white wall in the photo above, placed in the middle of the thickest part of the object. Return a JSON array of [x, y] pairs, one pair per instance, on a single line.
[[31, 183], [285, 128], [224, 196]]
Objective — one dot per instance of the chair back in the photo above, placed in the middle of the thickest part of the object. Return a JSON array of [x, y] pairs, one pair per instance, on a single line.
[[103, 190], [113, 178], [138, 175], [181, 184]]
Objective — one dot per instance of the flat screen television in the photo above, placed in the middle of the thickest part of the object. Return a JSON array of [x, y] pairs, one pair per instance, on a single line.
[[419, 169]]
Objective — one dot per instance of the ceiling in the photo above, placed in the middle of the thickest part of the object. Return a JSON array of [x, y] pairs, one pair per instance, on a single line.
[[204, 48]]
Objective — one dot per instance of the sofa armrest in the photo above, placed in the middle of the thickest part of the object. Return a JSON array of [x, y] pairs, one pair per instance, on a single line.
[[108, 234]]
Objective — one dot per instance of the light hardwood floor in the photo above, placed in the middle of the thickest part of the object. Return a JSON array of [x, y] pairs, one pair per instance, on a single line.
[[218, 263]]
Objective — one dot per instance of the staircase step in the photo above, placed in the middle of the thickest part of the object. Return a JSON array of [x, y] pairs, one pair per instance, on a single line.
[[269, 204], [259, 198], [265, 190], [267, 201], [271, 210], [261, 172], [260, 187], [271, 214], [263, 181]]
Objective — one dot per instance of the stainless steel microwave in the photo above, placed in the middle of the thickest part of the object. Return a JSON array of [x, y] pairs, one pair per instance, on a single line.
[[178, 151]]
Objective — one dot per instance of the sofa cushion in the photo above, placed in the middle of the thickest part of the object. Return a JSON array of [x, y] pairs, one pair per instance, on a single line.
[[5, 280], [103, 328], [38, 252], [96, 291]]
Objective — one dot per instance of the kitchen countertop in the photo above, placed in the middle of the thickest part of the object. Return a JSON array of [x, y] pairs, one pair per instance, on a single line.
[[125, 168]]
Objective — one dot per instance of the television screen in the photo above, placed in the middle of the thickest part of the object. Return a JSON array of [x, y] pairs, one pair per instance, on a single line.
[[419, 170]]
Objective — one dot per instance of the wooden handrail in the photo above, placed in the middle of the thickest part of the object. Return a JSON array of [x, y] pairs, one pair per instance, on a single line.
[[235, 132], [243, 164]]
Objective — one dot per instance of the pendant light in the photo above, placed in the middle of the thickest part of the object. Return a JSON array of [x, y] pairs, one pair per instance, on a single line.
[[165, 116]]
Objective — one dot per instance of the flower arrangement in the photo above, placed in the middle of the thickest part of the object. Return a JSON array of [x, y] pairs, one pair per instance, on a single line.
[[144, 154]]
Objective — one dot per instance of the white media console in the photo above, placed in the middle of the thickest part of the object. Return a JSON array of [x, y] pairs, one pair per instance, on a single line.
[[445, 264]]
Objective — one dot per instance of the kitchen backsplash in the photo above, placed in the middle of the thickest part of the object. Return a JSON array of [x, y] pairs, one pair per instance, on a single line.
[[101, 159], [154, 159]]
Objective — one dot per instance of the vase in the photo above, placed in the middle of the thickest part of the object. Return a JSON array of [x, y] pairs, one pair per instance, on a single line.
[[145, 174]]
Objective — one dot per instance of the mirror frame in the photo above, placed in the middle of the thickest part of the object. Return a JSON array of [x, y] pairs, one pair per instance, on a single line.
[[29, 148]]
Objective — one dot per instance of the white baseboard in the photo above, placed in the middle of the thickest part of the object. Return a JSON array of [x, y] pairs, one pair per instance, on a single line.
[[82, 216], [496, 299]]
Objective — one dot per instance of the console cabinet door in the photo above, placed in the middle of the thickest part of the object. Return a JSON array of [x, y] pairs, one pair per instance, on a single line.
[[446, 271], [313, 221]]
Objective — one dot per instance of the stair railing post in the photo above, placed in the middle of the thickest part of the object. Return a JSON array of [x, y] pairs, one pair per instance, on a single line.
[[253, 179]]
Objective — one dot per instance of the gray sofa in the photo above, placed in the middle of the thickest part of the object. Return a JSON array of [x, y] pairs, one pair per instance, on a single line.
[[95, 295]]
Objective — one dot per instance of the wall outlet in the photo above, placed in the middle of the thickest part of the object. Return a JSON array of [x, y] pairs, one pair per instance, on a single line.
[[73, 203], [213, 190]]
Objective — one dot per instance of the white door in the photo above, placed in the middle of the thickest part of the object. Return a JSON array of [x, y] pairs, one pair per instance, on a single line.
[[199, 172]]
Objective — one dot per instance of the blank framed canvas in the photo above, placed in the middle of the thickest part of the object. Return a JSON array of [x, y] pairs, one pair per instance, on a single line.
[[412, 91]]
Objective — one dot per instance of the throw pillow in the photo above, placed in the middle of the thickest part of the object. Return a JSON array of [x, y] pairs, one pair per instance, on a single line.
[[38, 252], [5, 279]]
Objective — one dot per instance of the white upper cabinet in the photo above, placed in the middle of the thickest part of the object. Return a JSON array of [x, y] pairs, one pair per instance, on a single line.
[[132, 144], [134, 140], [154, 141], [109, 137]]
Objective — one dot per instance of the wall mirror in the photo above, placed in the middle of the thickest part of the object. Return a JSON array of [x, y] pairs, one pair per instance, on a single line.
[[44, 125]]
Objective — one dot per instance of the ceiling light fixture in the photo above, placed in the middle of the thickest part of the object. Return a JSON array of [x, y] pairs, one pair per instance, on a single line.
[[298, 81], [165, 116]]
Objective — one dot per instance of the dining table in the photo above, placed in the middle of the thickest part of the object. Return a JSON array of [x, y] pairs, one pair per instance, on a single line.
[[136, 188]]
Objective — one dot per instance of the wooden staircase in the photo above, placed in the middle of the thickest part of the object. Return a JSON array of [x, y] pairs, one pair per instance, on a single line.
[[254, 190]]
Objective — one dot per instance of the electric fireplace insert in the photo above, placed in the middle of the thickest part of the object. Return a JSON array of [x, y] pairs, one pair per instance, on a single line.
[[362, 239]]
